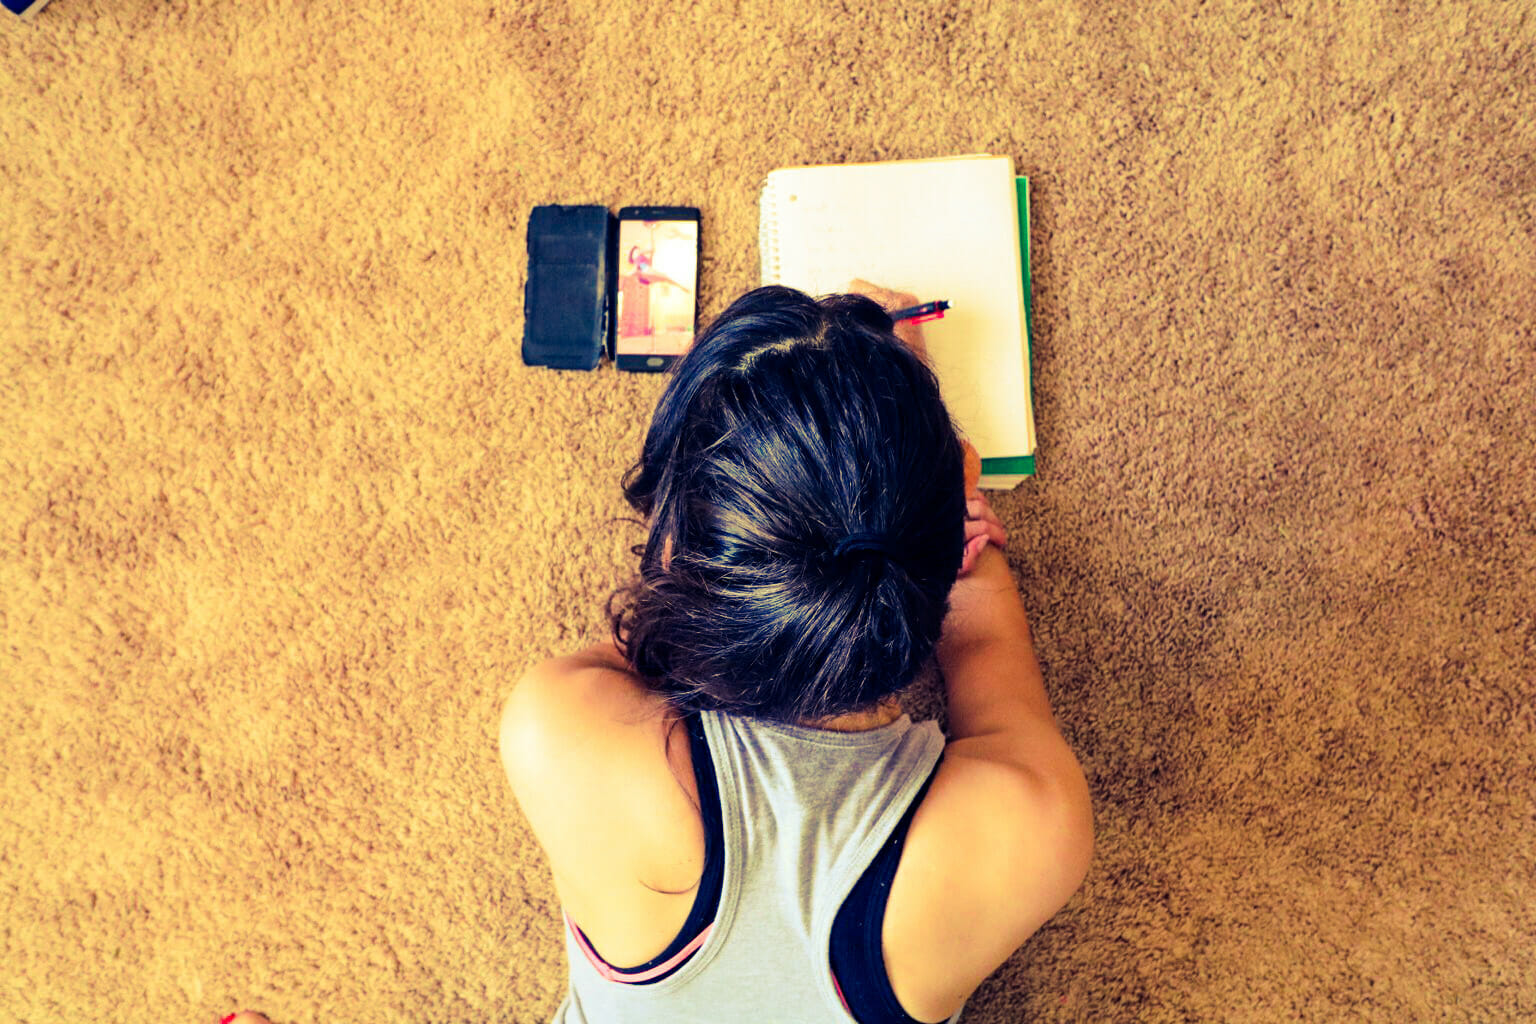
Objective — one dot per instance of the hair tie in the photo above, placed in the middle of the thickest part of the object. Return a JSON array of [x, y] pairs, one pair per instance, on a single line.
[[864, 542]]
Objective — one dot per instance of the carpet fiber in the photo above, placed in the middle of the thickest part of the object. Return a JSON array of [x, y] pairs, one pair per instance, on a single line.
[[285, 516]]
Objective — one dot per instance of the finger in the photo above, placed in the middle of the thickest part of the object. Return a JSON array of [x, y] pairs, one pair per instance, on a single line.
[[886, 297], [859, 286], [981, 529], [991, 531], [972, 552], [980, 501], [977, 508]]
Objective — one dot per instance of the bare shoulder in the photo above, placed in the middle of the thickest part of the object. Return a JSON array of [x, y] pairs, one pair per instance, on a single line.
[[993, 853], [585, 700], [571, 727]]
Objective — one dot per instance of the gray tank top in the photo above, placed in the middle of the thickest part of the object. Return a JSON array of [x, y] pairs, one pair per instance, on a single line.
[[804, 813]]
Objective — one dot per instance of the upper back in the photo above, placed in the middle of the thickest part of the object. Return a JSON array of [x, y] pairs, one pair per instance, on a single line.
[[945, 927]]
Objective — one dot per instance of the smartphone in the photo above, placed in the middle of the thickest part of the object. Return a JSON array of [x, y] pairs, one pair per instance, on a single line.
[[655, 296], [565, 299], [28, 9]]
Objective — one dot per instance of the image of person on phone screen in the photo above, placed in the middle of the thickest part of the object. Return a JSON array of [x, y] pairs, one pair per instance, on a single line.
[[656, 301]]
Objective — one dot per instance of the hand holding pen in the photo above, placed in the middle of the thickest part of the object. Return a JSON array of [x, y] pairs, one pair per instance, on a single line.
[[905, 310], [982, 527]]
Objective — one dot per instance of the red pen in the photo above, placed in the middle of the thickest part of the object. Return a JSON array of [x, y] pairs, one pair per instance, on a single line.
[[918, 314]]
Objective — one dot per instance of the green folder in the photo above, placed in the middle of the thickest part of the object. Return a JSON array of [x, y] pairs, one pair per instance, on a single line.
[[1020, 465]]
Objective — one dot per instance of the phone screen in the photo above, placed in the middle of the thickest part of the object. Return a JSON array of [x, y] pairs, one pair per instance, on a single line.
[[658, 272]]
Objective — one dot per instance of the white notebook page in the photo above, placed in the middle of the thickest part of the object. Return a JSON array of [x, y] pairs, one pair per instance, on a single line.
[[940, 229]]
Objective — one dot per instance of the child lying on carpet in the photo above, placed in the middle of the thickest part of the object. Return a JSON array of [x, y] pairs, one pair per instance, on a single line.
[[801, 850]]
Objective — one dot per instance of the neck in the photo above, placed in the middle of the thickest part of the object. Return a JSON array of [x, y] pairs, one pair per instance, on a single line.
[[858, 721]]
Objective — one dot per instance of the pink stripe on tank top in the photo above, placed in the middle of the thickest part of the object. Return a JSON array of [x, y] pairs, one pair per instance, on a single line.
[[614, 974], [611, 973]]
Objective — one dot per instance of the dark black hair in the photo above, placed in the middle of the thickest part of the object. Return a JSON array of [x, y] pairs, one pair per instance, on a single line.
[[790, 424]]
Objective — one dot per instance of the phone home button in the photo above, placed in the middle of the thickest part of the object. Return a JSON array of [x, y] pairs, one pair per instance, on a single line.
[[654, 361]]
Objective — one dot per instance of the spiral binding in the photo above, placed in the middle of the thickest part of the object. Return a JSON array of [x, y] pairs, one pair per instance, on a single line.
[[768, 233]]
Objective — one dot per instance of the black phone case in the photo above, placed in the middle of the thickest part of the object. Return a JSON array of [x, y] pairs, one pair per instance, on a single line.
[[565, 299], [644, 364]]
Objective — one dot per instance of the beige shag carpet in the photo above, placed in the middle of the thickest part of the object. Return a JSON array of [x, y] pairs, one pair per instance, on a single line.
[[284, 516]]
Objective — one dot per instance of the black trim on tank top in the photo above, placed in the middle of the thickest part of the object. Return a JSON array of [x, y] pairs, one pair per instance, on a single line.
[[858, 954], [706, 904]]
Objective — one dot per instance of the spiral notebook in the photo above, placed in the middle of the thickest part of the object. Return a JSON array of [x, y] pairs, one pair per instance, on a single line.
[[955, 228]]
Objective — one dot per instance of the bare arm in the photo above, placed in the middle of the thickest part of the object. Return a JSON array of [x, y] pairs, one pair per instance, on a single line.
[[999, 711], [986, 652]]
